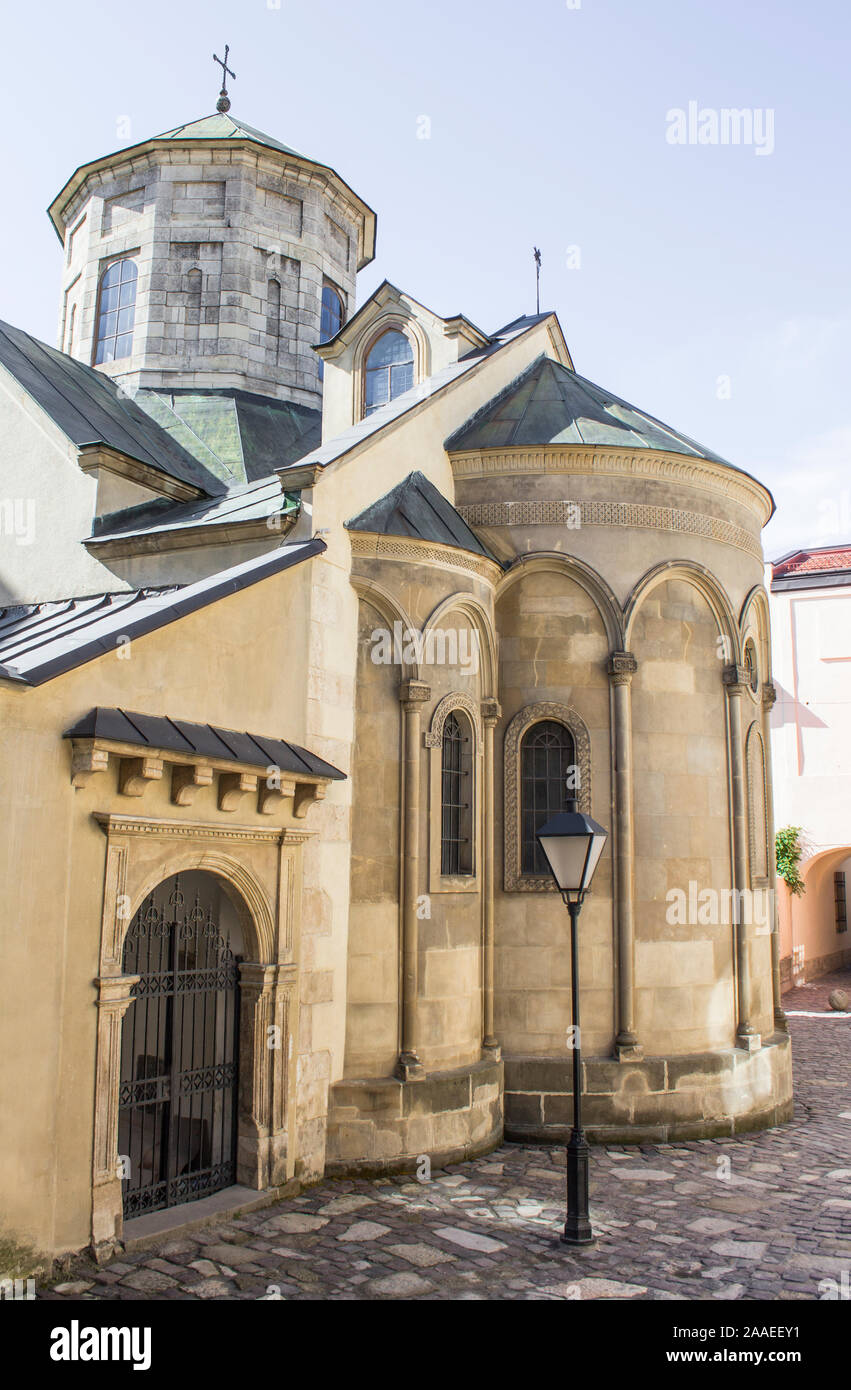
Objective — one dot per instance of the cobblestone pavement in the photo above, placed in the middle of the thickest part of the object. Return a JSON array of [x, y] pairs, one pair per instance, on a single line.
[[762, 1216]]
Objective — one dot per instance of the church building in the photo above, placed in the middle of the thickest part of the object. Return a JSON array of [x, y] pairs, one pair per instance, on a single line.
[[311, 612]]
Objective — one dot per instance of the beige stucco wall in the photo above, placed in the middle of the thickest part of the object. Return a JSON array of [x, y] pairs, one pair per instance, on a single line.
[[230, 664]]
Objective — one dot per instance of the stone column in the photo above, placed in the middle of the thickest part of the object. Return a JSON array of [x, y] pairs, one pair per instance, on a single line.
[[622, 668], [412, 695], [736, 680], [769, 697], [491, 713], [114, 998], [266, 994]]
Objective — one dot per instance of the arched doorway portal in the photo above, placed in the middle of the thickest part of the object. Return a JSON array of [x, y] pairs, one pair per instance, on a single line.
[[178, 1092]]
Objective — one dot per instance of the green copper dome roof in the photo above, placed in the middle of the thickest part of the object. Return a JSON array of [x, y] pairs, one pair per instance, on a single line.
[[550, 404], [220, 126], [217, 128]]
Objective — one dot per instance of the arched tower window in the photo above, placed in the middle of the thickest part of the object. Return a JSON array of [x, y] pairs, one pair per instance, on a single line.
[[547, 753], [456, 819], [332, 314], [389, 370], [331, 320], [116, 311], [273, 314], [71, 325]]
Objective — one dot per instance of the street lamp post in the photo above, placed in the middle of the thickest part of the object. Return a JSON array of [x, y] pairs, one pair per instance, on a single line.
[[572, 844]]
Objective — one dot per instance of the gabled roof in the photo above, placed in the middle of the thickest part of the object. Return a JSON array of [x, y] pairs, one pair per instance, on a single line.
[[359, 433], [200, 740], [89, 409], [414, 507], [550, 404], [238, 435], [41, 640]]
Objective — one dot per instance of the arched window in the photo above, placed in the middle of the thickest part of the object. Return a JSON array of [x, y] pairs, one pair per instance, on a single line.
[[273, 314], [332, 314], [71, 326], [456, 805], [389, 370], [331, 320], [547, 755], [752, 665], [116, 311]]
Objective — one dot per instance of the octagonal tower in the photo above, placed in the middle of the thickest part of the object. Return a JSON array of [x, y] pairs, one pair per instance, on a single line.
[[198, 261]]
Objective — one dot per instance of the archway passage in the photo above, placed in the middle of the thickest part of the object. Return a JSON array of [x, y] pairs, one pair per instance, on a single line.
[[177, 1119]]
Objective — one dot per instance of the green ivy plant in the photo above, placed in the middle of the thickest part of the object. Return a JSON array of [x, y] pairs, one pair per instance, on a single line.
[[788, 850]]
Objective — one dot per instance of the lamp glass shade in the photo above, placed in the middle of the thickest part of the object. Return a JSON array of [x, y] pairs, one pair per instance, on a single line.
[[572, 843]]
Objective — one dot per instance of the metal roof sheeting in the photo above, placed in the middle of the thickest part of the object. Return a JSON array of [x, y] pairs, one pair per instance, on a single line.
[[41, 640], [414, 507], [201, 740], [89, 409], [550, 404]]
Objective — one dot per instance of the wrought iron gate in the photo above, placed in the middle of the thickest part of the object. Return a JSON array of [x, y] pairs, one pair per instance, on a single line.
[[177, 1118]]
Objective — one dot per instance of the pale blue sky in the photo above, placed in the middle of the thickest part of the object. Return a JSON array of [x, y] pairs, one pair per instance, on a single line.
[[548, 127]]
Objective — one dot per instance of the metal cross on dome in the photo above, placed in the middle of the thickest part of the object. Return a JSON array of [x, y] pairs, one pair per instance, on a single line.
[[223, 103]]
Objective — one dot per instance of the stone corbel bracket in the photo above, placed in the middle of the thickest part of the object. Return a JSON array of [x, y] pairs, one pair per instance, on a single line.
[[270, 786]]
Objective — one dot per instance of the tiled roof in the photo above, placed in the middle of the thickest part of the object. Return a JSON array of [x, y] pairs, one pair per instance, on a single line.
[[41, 640], [202, 740], [833, 559], [415, 508], [89, 409]]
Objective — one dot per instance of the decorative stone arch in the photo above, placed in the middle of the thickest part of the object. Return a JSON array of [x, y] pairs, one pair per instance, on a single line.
[[755, 623], [705, 582], [759, 824], [582, 574], [391, 321], [259, 929], [478, 615], [140, 855], [433, 741], [392, 611], [513, 880]]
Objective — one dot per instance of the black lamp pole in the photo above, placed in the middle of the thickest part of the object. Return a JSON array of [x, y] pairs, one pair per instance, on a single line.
[[572, 844], [577, 1227]]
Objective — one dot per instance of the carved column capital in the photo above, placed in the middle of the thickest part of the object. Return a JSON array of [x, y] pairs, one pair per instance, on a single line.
[[735, 678], [622, 667], [414, 693], [491, 711], [769, 694]]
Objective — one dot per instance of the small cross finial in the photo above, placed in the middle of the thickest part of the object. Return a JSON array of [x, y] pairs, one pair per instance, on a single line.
[[537, 254], [223, 103]]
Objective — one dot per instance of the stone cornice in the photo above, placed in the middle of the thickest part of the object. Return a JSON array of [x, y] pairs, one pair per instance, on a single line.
[[369, 546], [268, 786], [112, 824], [576, 459], [189, 537], [93, 457]]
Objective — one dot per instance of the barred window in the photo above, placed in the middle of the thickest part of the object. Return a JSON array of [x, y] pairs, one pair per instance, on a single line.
[[547, 753], [456, 830], [839, 901], [116, 311]]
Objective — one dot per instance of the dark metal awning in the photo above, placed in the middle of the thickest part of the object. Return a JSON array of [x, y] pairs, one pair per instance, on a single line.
[[199, 741]]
